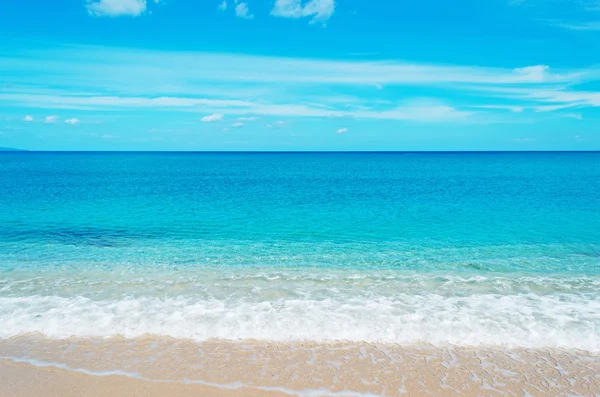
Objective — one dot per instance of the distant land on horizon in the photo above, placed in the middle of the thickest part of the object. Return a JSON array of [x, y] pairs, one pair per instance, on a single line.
[[10, 149]]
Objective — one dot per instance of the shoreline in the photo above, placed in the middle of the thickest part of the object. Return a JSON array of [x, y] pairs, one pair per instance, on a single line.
[[166, 366], [26, 380]]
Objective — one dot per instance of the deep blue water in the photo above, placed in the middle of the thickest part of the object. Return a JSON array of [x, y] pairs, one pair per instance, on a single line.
[[466, 248]]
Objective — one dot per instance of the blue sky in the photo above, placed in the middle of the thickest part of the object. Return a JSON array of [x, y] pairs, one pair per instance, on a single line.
[[300, 75]]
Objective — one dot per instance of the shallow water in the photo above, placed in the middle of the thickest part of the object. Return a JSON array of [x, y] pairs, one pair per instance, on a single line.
[[465, 249]]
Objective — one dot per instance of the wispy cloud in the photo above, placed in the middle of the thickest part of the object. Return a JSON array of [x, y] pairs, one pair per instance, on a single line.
[[543, 99], [247, 87], [211, 118], [423, 110], [515, 109], [584, 13], [237, 125], [115, 8], [223, 5], [277, 124], [342, 130], [567, 98], [50, 119], [123, 70], [576, 116], [319, 10], [242, 11], [590, 5], [28, 118], [91, 102], [581, 26]]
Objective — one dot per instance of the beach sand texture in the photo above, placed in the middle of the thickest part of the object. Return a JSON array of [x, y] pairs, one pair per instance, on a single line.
[[172, 367]]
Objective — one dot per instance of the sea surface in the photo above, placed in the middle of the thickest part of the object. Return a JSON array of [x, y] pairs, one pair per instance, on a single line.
[[465, 249]]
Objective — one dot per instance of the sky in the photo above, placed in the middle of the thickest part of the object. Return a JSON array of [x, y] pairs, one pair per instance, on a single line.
[[296, 75]]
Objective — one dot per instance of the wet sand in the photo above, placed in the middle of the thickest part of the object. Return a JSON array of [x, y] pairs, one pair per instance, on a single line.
[[36, 366], [29, 381]]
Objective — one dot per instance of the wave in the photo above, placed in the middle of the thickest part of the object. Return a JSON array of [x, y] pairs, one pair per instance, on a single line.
[[521, 320]]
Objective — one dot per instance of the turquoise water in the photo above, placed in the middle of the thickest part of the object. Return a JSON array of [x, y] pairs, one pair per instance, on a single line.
[[461, 248]]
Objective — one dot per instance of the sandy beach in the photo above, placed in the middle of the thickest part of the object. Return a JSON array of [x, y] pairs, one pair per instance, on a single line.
[[34, 366], [27, 380]]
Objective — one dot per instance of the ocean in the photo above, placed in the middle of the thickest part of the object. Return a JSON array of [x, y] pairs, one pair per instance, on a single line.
[[446, 249]]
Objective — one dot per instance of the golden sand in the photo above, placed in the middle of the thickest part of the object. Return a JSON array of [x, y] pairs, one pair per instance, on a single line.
[[35, 366]]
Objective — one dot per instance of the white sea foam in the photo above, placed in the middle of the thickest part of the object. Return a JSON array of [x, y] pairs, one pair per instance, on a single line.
[[516, 320]]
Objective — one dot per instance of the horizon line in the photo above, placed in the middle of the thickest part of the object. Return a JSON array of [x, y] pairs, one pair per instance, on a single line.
[[13, 150]]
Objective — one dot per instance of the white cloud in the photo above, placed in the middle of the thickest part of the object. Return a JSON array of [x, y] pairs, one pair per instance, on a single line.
[[242, 86], [552, 108], [72, 102], [242, 11], [582, 26], [538, 73], [319, 10], [72, 121], [512, 108], [51, 119], [223, 5], [174, 71], [566, 98], [28, 118], [211, 118], [421, 110], [115, 8], [547, 100], [247, 118], [238, 125], [277, 124], [575, 116], [342, 130], [415, 110]]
